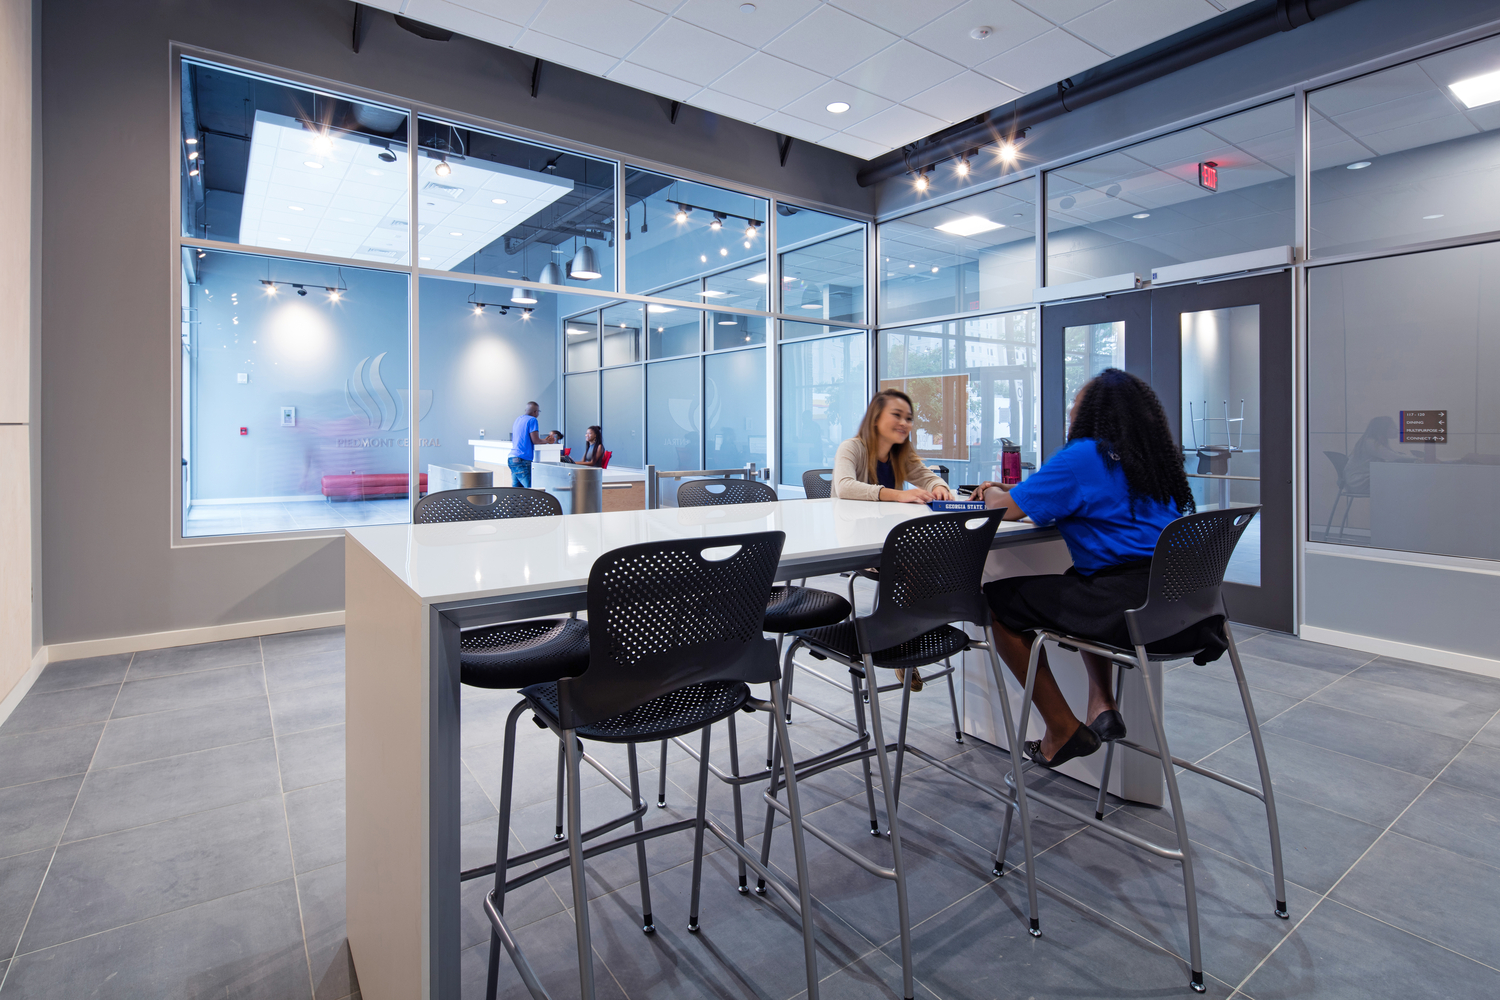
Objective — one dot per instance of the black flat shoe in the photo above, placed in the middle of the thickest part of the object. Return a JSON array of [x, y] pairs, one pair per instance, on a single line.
[[1108, 726], [1083, 742]]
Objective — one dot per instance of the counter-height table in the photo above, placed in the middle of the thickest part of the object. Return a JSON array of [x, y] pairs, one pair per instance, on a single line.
[[409, 589]]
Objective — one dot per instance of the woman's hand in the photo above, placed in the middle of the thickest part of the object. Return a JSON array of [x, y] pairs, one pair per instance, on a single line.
[[913, 495], [941, 492]]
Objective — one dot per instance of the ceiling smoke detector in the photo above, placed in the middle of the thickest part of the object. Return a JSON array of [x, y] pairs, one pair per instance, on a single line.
[[981, 32]]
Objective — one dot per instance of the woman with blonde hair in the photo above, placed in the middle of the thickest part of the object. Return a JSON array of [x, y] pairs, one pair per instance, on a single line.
[[880, 459]]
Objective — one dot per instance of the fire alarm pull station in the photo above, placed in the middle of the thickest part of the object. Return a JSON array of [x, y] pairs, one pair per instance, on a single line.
[[244, 431], [1208, 175]]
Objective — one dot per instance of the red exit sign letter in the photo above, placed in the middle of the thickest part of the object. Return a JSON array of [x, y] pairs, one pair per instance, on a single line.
[[1208, 175]]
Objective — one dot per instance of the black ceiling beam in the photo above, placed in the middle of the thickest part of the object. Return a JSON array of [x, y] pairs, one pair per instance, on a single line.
[[359, 22]]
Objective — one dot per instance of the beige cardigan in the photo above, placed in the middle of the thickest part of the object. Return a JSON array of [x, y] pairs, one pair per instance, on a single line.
[[851, 474]]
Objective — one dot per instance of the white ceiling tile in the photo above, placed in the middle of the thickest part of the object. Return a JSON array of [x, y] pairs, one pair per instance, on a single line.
[[1061, 11], [1042, 61], [565, 53], [764, 79], [854, 146], [814, 106], [665, 6], [687, 51], [729, 106], [1122, 26], [769, 19], [1010, 24], [901, 16], [900, 71], [484, 26], [964, 96], [830, 41], [795, 127], [613, 26], [652, 82], [895, 126]]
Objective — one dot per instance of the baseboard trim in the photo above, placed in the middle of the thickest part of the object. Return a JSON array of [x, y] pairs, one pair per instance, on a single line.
[[39, 659], [190, 636], [1403, 650]]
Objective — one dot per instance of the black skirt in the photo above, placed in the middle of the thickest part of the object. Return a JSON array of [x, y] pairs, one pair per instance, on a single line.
[[1093, 607]]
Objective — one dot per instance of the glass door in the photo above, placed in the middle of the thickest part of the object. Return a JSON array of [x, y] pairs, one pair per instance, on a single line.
[[1221, 363], [1080, 340]]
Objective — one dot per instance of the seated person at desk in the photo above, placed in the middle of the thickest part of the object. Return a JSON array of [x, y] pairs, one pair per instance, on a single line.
[[593, 447], [874, 464], [1110, 491], [1373, 446]]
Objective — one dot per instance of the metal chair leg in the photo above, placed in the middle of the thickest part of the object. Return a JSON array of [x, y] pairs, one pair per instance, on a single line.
[[661, 776], [562, 771], [502, 843], [1109, 751], [636, 802], [1018, 777], [1265, 774], [901, 730], [787, 667], [1328, 531], [1190, 889], [1018, 741], [903, 914], [701, 828], [575, 860], [799, 848], [856, 685], [958, 726], [774, 767], [739, 811]]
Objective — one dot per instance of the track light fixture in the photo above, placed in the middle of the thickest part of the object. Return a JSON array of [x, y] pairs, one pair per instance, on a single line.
[[301, 290], [961, 168], [442, 169], [683, 211], [718, 222], [386, 154], [752, 229], [920, 183], [334, 294]]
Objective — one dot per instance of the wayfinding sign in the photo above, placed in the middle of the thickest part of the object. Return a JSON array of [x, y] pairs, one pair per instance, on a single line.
[[1424, 426]]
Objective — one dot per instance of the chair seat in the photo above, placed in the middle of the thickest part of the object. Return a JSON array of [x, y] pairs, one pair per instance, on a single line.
[[686, 710], [929, 647], [1154, 657], [792, 609], [516, 654]]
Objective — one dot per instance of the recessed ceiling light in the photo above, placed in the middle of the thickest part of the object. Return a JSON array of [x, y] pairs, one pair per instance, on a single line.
[[934, 270], [498, 201], [284, 239], [911, 265], [838, 107], [653, 307], [747, 8], [713, 294], [191, 142], [1358, 166], [1141, 215], [703, 258], [295, 208], [1438, 216], [312, 163], [723, 251], [455, 234], [1477, 90], [424, 258], [970, 225], [759, 279]]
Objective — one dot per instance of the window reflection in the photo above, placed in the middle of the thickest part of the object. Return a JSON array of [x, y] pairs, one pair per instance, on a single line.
[[822, 264], [678, 230], [823, 397]]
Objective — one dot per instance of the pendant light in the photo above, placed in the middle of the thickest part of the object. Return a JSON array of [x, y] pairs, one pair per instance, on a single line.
[[523, 296], [812, 298], [583, 266], [550, 275]]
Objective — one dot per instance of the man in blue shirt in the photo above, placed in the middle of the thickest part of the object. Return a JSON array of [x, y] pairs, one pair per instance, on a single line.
[[524, 437]]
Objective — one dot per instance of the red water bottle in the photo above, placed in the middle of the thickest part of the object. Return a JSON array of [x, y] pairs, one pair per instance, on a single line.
[[1010, 462]]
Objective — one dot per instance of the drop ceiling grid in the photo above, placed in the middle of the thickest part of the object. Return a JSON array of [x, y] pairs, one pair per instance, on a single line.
[[907, 67]]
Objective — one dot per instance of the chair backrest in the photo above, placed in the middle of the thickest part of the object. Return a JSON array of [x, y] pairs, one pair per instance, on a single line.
[[1340, 461], [1187, 573], [712, 492], [818, 484], [484, 504], [664, 615], [930, 570], [604, 462]]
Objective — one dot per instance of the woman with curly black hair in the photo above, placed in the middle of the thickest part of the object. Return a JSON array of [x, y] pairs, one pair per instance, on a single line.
[[1110, 491]]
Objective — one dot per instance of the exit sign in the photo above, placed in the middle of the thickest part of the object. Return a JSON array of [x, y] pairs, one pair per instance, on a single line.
[[1208, 175], [1424, 426]]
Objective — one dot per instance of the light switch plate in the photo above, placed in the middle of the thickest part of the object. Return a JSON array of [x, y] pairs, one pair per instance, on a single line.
[[289, 416]]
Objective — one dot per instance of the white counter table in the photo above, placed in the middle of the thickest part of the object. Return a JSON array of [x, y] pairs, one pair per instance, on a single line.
[[411, 588]]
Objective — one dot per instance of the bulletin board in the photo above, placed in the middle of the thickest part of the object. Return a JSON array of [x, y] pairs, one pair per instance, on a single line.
[[941, 410]]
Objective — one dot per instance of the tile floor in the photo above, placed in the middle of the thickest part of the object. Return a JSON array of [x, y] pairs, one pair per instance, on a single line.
[[171, 825]]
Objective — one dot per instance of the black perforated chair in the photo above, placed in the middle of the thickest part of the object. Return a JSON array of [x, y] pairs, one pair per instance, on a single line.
[[1185, 592], [711, 492], [930, 570], [675, 639], [483, 504], [818, 484]]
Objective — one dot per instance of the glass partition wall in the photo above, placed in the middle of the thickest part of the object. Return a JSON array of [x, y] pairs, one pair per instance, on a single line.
[[367, 293]]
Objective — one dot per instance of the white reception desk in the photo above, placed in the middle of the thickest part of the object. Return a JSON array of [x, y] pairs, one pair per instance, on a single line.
[[411, 588]]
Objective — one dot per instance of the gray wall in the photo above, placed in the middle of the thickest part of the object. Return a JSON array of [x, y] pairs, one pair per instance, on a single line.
[[109, 323]]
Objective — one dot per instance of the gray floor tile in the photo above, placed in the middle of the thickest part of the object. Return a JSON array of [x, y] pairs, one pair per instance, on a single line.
[[311, 757], [1490, 735], [1199, 692], [305, 670], [86, 672], [1195, 735], [1394, 883], [1457, 819], [306, 708], [1338, 954], [1426, 710], [1393, 744], [247, 946], [139, 738], [33, 816], [55, 709], [1366, 791], [1476, 768], [292, 645], [322, 896], [20, 878], [138, 794], [50, 753], [189, 690], [119, 878], [316, 815], [1266, 674], [549, 946], [1474, 689], [203, 656], [1290, 649]]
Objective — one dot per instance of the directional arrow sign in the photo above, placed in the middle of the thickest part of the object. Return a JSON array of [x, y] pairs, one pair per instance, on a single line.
[[1424, 426]]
